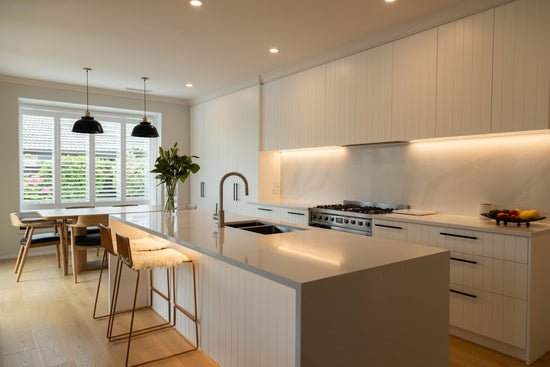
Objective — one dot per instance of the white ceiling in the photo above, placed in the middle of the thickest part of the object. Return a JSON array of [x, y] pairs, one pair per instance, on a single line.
[[219, 45]]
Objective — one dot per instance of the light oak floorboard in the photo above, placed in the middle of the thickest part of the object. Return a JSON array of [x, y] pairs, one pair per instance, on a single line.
[[46, 320]]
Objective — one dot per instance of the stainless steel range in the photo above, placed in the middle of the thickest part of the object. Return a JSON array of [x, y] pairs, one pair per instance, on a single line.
[[351, 216]]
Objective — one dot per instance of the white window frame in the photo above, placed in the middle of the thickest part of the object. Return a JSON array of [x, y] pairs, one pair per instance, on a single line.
[[57, 110]]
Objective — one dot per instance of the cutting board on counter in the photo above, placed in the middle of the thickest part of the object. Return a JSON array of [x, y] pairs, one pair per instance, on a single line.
[[414, 211]]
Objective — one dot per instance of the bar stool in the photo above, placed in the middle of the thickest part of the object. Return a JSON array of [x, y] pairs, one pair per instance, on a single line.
[[138, 261], [141, 244]]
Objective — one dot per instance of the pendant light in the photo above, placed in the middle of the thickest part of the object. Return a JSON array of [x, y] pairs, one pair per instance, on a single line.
[[87, 124], [145, 129]]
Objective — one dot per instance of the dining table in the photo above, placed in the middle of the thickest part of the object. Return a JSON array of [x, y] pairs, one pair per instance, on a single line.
[[63, 215]]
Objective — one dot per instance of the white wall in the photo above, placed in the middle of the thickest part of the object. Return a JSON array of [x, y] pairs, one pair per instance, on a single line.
[[448, 176], [175, 127]]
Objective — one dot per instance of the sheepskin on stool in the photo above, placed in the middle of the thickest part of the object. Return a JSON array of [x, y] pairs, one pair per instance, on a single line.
[[146, 244], [155, 259]]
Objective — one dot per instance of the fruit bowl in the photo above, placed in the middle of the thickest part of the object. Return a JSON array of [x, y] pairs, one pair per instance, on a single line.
[[506, 221]]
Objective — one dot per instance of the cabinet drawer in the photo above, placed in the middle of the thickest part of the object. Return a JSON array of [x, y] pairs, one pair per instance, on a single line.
[[263, 211], [293, 215], [492, 315], [498, 276], [390, 229], [498, 246]]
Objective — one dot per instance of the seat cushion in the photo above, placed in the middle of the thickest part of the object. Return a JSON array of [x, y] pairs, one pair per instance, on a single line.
[[41, 238], [156, 259], [93, 239], [146, 244]]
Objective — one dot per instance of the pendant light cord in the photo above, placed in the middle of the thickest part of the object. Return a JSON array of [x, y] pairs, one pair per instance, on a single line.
[[87, 108], [144, 99]]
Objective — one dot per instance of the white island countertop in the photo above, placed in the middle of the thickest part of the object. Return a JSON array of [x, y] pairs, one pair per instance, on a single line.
[[292, 258]]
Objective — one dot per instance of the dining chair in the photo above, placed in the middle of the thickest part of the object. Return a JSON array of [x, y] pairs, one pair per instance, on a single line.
[[32, 240], [82, 240]]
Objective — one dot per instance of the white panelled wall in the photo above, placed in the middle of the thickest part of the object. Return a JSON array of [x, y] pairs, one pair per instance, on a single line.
[[225, 135]]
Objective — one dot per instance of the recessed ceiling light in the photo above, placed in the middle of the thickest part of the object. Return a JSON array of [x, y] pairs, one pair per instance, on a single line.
[[390, 1], [274, 50], [196, 2], [189, 85]]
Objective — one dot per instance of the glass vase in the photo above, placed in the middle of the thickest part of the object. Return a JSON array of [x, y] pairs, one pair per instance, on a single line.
[[171, 204]]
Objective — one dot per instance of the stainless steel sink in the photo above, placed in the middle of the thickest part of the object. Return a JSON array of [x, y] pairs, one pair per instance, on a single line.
[[262, 227]]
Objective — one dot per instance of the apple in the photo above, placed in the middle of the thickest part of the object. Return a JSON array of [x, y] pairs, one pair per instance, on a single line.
[[503, 216]]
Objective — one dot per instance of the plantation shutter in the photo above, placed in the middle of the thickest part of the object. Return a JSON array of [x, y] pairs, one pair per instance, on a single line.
[[37, 148], [75, 178], [138, 156], [107, 163]]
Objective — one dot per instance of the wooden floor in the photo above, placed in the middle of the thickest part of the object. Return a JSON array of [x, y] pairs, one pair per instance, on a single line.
[[45, 320]]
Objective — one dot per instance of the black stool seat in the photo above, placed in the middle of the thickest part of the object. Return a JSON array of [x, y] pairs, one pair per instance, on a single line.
[[41, 238], [93, 239]]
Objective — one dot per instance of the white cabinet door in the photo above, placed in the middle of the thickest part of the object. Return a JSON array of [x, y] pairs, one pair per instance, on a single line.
[[294, 215], [225, 135], [414, 86], [521, 66], [358, 97], [264, 211], [390, 229], [294, 111], [492, 315], [464, 76]]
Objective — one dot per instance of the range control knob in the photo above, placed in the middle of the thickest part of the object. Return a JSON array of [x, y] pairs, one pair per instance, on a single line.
[[346, 221], [360, 223], [367, 224], [326, 218], [332, 219], [352, 222]]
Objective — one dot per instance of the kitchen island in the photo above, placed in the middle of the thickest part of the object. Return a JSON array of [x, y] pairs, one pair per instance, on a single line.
[[311, 297]]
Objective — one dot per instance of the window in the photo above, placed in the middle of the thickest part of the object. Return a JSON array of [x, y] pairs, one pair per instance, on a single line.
[[60, 168]]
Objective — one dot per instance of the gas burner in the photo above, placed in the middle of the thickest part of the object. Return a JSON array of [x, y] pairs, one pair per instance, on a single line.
[[350, 216]]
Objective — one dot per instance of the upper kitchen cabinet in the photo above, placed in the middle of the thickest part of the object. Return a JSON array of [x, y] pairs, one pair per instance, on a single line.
[[225, 135], [464, 76], [294, 111], [358, 97], [521, 66], [414, 86]]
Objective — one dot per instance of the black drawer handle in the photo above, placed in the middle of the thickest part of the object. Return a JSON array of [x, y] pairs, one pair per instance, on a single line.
[[296, 213], [463, 293], [463, 260], [386, 226], [265, 210], [457, 235]]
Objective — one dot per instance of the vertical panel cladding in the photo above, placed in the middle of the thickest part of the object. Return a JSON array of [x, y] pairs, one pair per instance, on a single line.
[[463, 77], [414, 86], [521, 74], [244, 319]]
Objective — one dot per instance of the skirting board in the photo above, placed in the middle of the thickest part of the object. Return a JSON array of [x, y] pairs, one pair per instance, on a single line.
[[488, 343], [32, 252]]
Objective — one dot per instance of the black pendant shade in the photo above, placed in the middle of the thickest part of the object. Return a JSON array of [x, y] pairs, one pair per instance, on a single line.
[[145, 129], [87, 124]]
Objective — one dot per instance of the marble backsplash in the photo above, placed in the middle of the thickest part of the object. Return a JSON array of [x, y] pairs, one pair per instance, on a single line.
[[450, 176]]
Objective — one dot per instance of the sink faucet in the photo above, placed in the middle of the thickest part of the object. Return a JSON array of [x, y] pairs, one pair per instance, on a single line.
[[220, 214]]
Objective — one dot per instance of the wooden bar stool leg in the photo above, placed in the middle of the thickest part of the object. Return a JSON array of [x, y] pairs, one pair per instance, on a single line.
[[57, 256]]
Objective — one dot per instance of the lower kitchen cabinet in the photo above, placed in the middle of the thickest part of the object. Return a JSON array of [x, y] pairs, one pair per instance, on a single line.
[[499, 292], [289, 214]]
